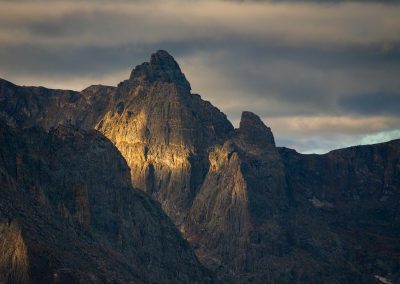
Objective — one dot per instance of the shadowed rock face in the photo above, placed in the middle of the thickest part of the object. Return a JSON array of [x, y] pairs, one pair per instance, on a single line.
[[38, 106], [68, 214], [253, 212], [254, 133], [354, 194]]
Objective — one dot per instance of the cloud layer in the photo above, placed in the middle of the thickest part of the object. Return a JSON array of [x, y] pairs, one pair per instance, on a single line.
[[322, 74]]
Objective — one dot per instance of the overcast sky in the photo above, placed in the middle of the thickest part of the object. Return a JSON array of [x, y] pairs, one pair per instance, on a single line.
[[321, 74]]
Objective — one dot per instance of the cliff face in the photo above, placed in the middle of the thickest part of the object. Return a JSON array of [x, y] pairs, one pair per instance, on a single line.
[[164, 132], [252, 211], [355, 193], [68, 214], [242, 194], [366, 175]]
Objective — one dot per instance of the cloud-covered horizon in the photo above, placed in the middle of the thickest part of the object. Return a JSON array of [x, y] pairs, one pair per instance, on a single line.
[[321, 74]]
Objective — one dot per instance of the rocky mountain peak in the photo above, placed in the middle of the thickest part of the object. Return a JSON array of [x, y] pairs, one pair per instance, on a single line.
[[162, 57], [253, 212], [161, 68], [254, 131]]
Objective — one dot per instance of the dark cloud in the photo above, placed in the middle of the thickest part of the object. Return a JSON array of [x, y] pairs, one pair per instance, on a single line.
[[304, 67], [378, 103], [68, 62], [276, 81]]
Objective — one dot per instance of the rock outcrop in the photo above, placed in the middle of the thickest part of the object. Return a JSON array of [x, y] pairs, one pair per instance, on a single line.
[[354, 194], [39, 106], [68, 214], [253, 212], [164, 132]]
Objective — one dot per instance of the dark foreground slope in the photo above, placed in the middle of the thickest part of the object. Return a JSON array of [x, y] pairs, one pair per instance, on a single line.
[[68, 214], [253, 212]]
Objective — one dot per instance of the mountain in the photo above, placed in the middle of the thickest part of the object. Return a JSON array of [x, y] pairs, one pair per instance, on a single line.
[[163, 131], [253, 212], [69, 214]]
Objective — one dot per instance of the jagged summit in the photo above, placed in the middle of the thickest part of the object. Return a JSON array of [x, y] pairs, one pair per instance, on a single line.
[[161, 68], [253, 212], [252, 129], [163, 58]]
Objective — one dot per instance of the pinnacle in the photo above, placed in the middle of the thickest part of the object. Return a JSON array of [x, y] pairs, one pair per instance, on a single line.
[[163, 58], [161, 68], [254, 129]]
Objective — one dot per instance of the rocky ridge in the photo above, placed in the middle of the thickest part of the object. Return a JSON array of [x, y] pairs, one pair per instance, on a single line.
[[69, 214], [253, 212]]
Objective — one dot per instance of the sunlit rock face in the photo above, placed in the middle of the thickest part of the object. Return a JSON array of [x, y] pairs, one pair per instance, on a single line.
[[14, 263], [253, 212], [69, 214], [164, 132], [237, 212]]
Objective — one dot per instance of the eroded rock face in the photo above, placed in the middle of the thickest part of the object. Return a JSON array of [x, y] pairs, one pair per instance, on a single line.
[[164, 132], [253, 212], [355, 193], [265, 214], [237, 214], [68, 214], [14, 263]]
